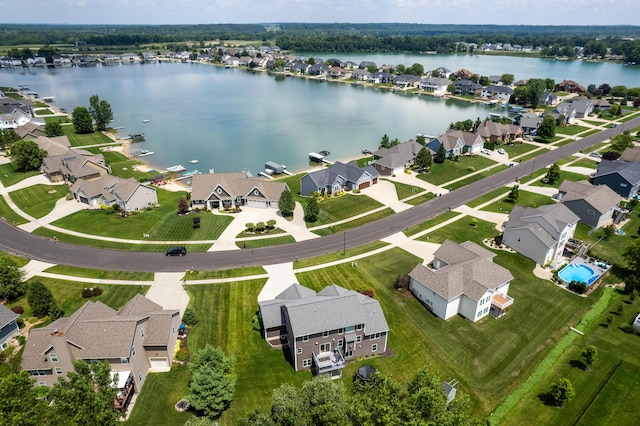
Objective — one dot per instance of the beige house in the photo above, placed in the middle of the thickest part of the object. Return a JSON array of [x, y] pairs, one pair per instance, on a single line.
[[108, 190], [462, 279], [323, 330], [394, 160], [67, 165]]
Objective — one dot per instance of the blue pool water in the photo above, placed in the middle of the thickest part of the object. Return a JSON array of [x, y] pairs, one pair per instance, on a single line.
[[578, 272]]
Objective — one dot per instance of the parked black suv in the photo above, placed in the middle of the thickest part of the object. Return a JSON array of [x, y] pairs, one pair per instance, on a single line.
[[176, 251]]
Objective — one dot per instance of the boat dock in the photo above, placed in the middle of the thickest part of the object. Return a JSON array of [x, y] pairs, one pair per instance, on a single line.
[[319, 157], [266, 175]]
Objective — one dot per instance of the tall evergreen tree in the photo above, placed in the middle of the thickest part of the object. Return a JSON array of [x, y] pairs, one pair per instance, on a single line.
[[286, 204], [440, 156]]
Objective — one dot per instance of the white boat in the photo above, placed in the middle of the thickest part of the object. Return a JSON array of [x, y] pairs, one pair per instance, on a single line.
[[144, 153], [145, 121], [193, 161], [176, 169]]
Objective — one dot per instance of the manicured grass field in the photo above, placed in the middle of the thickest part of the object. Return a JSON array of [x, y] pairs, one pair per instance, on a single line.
[[594, 123], [489, 196], [9, 214], [526, 199], [589, 133], [478, 176], [343, 207], [38, 200], [331, 257], [18, 260], [563, 175], [403, 190], [430, 223], [421, 199], [44, 112], [10, 176], [76, 139], [462, 230], [265, 242], [354, 223], [450, 170], [518, 149], [59, 119], [532, 155], [228, 273], [570, 130], [100, 273], [122, 167], [161, 223], [585, 162]]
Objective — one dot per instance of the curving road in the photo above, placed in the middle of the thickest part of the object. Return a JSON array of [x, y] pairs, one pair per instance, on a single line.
[[14, 240]]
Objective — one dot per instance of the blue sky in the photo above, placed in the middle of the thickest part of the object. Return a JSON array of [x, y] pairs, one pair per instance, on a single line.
[[505, 12]]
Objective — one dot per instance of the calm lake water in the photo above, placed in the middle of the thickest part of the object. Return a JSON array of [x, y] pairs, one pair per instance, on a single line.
[[231, 120]]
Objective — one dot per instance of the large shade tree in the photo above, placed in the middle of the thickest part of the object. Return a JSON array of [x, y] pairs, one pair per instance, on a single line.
[[20, 404], [12, 283], [101, 112], [27, 155], [82, 122]]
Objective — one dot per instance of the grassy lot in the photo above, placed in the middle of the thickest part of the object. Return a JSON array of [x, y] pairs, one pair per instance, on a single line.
[[44, 112], [403, 190], [487, 197], [13, 95], [81, 241], [344, 207], [265, 242], [161, 223], [94, 138], [68, 295], [228, 273], [9, 214], [38, 200], [563, 175], [566, 160], [450, 170], [421, 199], [364, 161], [10, 176], [602, 392], [293, 182], [518, 149], [430, 223], [462, 230], [570, 130], [160, 392], [59, 119], [586, 162], [594, 123], [596, 147], [331, 257], [18, 260], [478, 176], [100, 273], [122, 167], [525, 199], [354, 223]]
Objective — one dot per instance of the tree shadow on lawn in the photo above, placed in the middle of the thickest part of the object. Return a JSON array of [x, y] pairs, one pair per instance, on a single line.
[[575, 363], [547, 399]]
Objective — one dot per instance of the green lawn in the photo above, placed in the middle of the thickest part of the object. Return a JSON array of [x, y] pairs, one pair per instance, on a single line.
[[570, 130], [462, 230], [9, 214], [478, 176], [100, 273], [228, 273], [525, 199], [10, 176], [44, 112], [589, 133], [38, 200], [161, 223], [421, 199], [59, 119], [293, 182], [156, 401], [430, 223], [122, 167], [531, 155], [265, 242], [594, 123], [403, 190], [354, 223], [585, 162], [76, 139], [502, 191], [343, 207], [449, 170], [518, 149], [563, 175], [18, 260], [331, 257]]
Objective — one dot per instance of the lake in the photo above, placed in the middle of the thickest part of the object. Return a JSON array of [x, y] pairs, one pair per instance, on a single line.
[[231, 119]]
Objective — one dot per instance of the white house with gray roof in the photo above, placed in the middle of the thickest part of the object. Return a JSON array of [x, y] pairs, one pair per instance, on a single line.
[[324, 330], [8, 326], [462, 279], [456, 142], [594, 204], [337, 178], [540, 233]]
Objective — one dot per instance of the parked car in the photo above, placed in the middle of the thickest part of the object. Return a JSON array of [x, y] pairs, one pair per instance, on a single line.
[[613, 125], [486, 151], [176, 251], [501, 151], [595, 154]]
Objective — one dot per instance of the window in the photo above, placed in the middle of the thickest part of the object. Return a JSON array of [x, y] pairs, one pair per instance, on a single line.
[[305, 338], [306, 362], [255, 192], [42, 384], [219, 190], [59, 371], [325, 347], [340, 343], [374, 347], [325, 334], [359, 327], [37, 373], [173, 330], [340, 330], [375, 336], [142, 333], [124, 361], [93, 360], [519, 239], [350, 329], [54, 357], [358, 338], [140, 377], [299, 350], [624, 185], [133, 351]]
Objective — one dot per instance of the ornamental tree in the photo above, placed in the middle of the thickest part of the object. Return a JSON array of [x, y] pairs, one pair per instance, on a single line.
[[562, 392], [311, 210], [553, 174], [27, 155], [82, 122], [589, 356], [286, 204], [424, 158]]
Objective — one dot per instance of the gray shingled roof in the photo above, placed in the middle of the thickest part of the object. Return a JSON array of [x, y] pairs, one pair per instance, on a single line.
[[235, 184], [349, 171], [630, 171], [546, 222], [6, 316], [600, 197], [469, 270], [397, 155], [271, 310]]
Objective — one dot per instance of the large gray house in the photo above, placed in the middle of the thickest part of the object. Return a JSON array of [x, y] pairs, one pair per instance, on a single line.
[[594, 204], [337, 178], [225, 190], [456, 142], [394, 160], [324, 330], [621, 176]]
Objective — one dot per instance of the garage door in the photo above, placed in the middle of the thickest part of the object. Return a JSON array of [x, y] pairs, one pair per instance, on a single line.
[[258, 204], [364, 185], [158, 363]]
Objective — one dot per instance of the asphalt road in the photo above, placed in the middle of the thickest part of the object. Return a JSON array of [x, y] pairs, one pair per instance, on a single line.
[[16, 241]]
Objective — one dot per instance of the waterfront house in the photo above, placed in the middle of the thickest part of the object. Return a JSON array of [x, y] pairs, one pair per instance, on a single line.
[[456, 142], [621, 176], [337, 178], [594, 204], [366, 64], [407, 80], [226, 190], [603, 104], [528, 122], [130, 57], [462, 74], [322, 331], [394, 160], [108, 190], [540, 233], [498, 132], [14, 106], [436, 85], [502, 93], [462, 280], [136, 340], [467, 87], [569, 86], [360, 74], [548, 98], [74, 165], [13, 120], [8, 326], [442, 72], [581, 106]]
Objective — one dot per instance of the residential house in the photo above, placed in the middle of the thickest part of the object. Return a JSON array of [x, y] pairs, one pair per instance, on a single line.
[[322, 331], [548, 98], [564, 111], [462, 74], [381, 77], [540, 233], [631, 154], [581, 105], [407, 80], [337, 178], [30, 130], [436, 85], [462, 280], [603, 104], [63, 164], [495, 79], [226, 190], [528, 122], [360, 74], [442, 72], [498, 132], [569, 86], [621, 176], [467, 87], [456, 142], [135, 340], [108, 190], [594, 204], [8, 326], [366, 64], [13, 120], [14, 106], [394, 160], [130, 57], [502, 93]]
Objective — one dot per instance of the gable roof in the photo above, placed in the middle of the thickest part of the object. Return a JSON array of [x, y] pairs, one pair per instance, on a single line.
[[468, 270], [628, 170], [491, 128], [234, 184], [631, 154], [545, 222], [6, 316], [397, 155], [451, 137], [600, 197], [351, 172]]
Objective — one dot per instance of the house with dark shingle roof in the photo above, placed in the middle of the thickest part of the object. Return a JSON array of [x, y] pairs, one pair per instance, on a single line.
[[226, 190], [467, 87], [540, 233], [456, 142], [337, 178], [8, 326], [324, 330], [135, 340], [394, 160], [528, 122], [462, 280], [594, 204], [492, 131], [621, 176]]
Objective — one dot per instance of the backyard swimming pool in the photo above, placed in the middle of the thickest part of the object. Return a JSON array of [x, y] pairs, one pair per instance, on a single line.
[[578, 272]]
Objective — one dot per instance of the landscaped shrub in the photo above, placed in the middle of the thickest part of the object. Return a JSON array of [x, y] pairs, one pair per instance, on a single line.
[[368, 293], [402, 282], [471, 169], [97, 291], [255, 323], [577, 287], [86, 293], [190, 317], [109, 210], [18, 309], [182, 354]]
